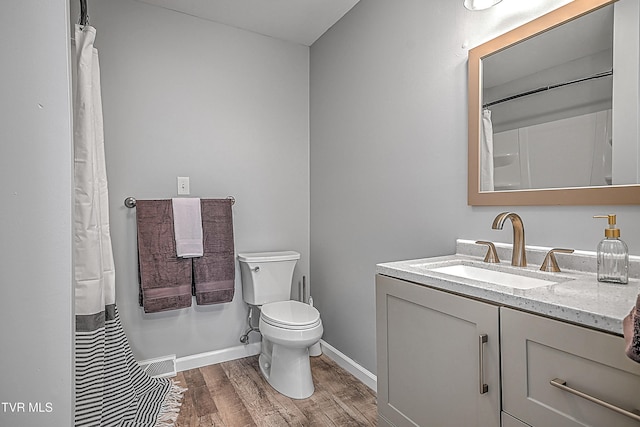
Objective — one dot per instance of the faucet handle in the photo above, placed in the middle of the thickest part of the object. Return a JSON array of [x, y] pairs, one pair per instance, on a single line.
[[550, 263], [492, 255]]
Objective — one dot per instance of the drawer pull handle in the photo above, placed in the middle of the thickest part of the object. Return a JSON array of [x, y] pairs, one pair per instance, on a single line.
[[482, 339], [562, 385]]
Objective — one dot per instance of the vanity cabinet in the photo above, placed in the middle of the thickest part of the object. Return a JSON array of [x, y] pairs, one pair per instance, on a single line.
[[432, 361], [536, 350], [438, 357]]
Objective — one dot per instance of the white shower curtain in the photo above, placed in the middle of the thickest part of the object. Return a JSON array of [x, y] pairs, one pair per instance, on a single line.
[[111, 389], [486, 152]]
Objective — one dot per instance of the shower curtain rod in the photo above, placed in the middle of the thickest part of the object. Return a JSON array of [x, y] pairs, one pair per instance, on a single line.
[[546, 88], [84, 13]]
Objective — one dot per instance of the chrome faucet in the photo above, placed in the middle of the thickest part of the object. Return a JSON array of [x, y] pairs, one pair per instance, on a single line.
[[519, 256]]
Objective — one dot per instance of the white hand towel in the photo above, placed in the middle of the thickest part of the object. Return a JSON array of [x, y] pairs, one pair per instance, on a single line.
[[187, 224]]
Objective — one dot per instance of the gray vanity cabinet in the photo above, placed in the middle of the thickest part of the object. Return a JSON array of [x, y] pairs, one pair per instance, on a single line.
[[438, 357], [536, 350], [433, 362]]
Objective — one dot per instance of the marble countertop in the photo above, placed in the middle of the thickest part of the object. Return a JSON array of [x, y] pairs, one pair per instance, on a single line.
[[577, 296]]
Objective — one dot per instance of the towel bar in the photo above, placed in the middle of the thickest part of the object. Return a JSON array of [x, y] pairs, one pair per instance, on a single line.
[[130, 202]]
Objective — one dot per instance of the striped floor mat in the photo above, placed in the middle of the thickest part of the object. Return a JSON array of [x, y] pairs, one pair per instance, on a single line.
[[111, 388]]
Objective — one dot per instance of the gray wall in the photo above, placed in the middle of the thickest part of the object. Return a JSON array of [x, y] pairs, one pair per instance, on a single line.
[[36, 300], [389, 155], [228, 108]]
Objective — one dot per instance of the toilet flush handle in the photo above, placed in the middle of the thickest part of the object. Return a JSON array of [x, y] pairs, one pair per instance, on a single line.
[[256, 268]]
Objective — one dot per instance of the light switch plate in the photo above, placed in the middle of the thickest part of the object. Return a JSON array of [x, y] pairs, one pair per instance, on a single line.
[[183, 185]]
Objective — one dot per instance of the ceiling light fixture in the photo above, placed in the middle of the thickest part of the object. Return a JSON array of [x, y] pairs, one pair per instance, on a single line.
[[480, 4]]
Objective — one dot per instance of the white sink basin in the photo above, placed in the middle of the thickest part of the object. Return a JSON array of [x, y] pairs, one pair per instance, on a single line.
[[527, 280]]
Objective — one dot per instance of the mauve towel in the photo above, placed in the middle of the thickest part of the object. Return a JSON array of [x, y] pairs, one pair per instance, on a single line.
[[631, 327], [165, 279], [214, 272]]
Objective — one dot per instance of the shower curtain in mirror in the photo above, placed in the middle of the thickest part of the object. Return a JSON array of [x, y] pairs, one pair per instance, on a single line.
[[111, 389], [486, 152]]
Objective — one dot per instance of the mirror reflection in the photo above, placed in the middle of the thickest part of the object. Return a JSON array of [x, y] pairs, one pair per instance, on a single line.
[[554, 111], [547, 108]]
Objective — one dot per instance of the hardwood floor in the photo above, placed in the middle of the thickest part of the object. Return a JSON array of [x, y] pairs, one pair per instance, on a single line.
[[234, 394]]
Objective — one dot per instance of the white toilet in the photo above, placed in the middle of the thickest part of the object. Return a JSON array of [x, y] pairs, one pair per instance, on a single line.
[[288, 327]]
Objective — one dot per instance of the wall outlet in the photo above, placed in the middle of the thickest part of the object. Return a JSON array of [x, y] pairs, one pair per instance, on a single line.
[[183, 185]]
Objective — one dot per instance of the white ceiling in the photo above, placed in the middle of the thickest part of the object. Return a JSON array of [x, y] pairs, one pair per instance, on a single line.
[[298, 21]]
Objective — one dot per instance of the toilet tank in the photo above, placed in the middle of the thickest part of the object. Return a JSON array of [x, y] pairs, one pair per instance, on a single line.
[[266, 276]]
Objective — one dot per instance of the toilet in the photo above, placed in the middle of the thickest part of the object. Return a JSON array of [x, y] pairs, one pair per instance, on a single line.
[[288, 327]]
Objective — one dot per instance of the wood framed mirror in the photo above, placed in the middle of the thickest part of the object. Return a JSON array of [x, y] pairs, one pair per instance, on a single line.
[[618, 114]]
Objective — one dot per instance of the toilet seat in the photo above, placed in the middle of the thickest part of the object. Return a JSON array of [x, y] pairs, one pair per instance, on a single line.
[[293, 315]]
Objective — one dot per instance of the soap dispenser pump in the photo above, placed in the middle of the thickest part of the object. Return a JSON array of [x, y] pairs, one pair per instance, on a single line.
[[613, 254]]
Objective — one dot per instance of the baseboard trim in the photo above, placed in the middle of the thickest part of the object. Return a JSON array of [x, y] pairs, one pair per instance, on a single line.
[[350, 365], [232, 353], [212, 357]]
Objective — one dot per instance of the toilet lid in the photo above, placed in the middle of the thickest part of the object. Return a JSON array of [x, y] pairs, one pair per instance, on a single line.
[[268, 256], [290, 314]]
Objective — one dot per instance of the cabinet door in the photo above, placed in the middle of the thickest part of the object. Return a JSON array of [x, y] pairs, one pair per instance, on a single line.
[[429, 350], [537, 350]]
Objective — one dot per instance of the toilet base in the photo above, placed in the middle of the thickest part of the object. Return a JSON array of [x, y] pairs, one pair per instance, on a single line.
[[287, 370]]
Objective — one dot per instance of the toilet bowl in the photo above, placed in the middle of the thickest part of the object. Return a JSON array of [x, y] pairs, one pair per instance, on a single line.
[[288, 327]]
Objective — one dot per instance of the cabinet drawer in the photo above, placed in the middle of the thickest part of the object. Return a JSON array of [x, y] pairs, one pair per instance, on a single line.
[[537, 350]]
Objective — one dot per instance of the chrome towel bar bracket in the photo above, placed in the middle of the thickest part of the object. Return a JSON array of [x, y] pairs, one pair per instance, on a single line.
[[130, 202]]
